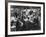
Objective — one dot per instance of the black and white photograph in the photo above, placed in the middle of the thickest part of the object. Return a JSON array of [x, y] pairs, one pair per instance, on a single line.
[[25, 18]]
